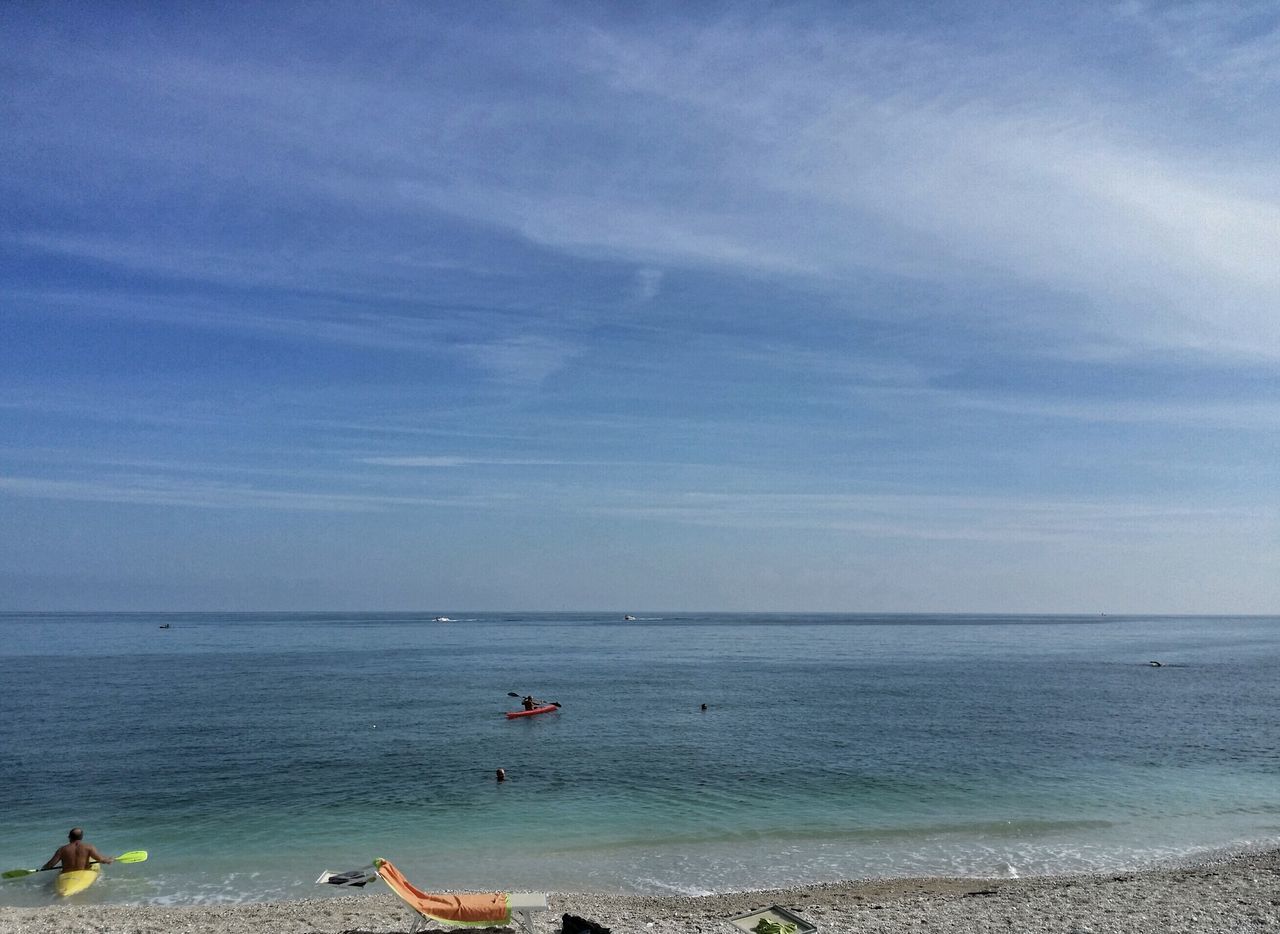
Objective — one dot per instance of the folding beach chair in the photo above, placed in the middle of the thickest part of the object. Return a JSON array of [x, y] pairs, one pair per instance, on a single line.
[[774, 920], [476, 910]]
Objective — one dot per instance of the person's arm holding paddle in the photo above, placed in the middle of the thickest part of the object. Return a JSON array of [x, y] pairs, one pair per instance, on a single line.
[[53, 860]]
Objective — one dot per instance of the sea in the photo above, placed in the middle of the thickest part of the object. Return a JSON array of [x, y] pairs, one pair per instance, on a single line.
[[249, 752]]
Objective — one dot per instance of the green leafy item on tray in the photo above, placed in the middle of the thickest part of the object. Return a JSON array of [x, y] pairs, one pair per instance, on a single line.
[[765, 926]]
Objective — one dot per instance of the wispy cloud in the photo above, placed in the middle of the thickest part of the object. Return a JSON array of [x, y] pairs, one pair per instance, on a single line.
[[647, 284], [322, 320], [1173, 245], [201, 494], [524, 358], [154, 492], [941, 517], [1255, 415], [1231, 48], [927, 517], [450, 461], [1242, 415], [769, 145]]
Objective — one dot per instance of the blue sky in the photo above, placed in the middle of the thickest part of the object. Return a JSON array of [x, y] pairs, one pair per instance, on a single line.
[[847, 307]]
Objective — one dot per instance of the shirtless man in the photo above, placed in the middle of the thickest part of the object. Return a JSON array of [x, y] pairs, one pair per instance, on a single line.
[[76, 854]]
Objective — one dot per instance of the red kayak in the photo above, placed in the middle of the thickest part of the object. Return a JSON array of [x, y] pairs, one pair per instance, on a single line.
[[546, 708]]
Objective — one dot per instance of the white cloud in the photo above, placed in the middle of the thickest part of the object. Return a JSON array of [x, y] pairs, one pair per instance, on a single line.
[[1232, 48], [890, 153], [647, 283], [420, 461], [765, 145], [522, 359], [447, 461], [1101, 522], [212, 494]]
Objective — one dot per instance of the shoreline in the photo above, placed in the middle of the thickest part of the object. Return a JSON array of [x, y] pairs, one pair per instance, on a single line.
[[1227, 893]]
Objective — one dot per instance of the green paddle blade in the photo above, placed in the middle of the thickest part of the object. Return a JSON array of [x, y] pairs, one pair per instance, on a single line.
[[133, 856], [17, 873]]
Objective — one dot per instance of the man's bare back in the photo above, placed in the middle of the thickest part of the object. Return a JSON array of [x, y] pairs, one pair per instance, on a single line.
[[77, 854]]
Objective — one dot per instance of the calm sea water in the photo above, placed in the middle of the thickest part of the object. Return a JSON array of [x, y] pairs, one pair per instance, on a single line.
[[249, 752]]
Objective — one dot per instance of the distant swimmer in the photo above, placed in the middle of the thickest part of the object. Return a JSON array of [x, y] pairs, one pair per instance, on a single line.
[[629, 619], [76, 855], [501, 775]]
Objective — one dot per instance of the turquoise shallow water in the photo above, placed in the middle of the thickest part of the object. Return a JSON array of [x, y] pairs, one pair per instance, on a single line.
[[249, 752]]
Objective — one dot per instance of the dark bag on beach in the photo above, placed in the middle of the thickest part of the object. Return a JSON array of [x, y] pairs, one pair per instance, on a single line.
[[574, 925]]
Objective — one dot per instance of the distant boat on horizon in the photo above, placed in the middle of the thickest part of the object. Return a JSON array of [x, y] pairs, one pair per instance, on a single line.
[[442, 619]]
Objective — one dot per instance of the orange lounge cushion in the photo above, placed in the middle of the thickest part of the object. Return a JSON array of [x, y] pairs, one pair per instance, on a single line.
[[468, 908]]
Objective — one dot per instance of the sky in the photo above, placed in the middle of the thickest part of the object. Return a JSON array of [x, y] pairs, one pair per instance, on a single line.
[[849, 307]]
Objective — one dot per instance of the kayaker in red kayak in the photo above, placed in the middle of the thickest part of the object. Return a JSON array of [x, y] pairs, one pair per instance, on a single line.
[[532, 707], [76, 854]]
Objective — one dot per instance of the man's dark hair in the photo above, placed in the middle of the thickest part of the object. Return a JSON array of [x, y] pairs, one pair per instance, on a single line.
[[76, 834]]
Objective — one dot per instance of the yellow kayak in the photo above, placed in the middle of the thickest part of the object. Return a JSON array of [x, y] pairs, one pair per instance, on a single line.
[[68, 883]]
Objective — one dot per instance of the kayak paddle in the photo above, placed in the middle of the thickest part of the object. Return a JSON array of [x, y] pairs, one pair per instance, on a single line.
[[133, 856], [551, 702]]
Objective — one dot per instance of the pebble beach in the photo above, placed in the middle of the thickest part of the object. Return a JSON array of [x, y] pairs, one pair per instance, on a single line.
[[1227, 894]]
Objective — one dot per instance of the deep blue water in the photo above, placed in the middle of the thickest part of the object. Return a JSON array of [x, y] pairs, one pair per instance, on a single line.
[[249, 752]]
